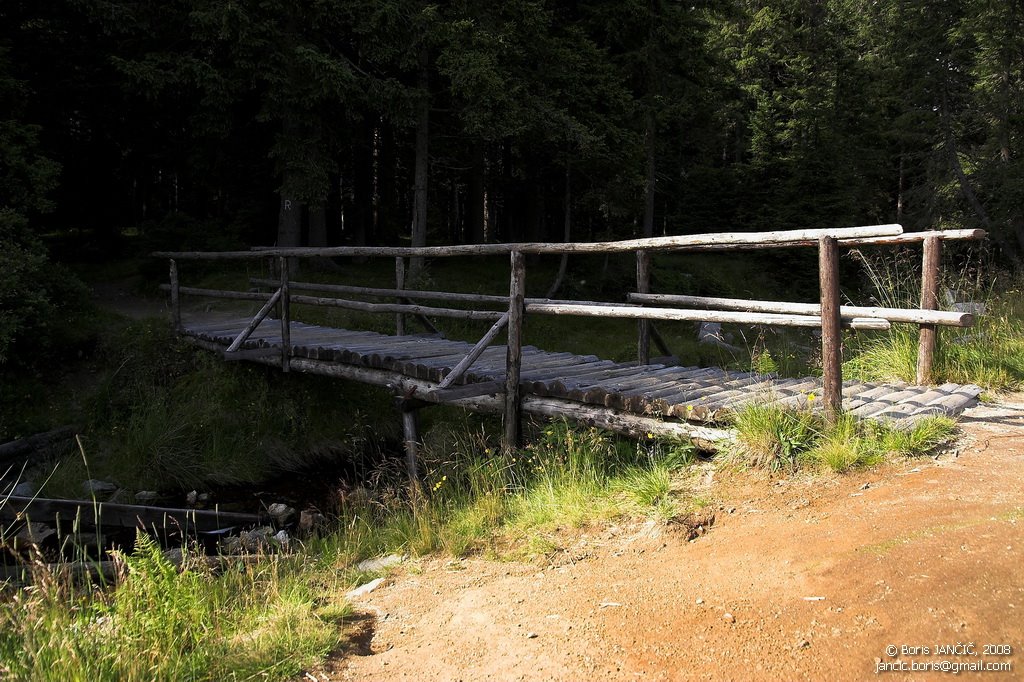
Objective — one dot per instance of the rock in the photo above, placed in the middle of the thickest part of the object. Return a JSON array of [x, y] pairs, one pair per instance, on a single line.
[[25, 489], [192, 498], [281, 513], [531, 635], [374, 565], [363, 590], [97, 487], [729, 618], [282, 539], [146, 496], [33, 534], [699, 601], [803, 644], [310, 519], [711, 333], [865, 486]]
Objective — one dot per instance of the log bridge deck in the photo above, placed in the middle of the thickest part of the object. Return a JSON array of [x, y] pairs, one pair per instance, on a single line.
[[687, 400], [636, 398]]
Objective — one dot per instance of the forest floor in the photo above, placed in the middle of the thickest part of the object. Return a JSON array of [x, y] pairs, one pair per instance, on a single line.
[[809, 577]]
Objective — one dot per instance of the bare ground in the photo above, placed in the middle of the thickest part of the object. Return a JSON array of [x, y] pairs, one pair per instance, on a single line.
[[799, 578]]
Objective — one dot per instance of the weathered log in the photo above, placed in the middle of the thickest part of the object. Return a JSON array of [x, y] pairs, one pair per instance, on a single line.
[[680, 242], [909, 315], [931, 261], [286, 316], [514, 351], [397, 308], [97, 514], [34, 443], [175, 297], [475, 352], [643, 285], [399, 285], [915, 237], [831, 336], [218, 293], [254, 322], [638, 312], [110, 571]]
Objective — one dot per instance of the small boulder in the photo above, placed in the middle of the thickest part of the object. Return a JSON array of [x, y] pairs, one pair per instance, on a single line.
[[146, 496], [281, 513], [24, 489], [374, 565], [94, 487]]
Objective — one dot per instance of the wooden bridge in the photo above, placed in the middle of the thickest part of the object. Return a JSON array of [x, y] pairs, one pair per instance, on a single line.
[[637, 398]]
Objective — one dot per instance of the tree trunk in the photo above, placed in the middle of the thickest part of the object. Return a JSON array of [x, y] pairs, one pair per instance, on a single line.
[[419, 217], [566, 236], [649, 133], [475, 220]]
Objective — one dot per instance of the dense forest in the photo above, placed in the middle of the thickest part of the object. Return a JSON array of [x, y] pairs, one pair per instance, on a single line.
[[321, 122]]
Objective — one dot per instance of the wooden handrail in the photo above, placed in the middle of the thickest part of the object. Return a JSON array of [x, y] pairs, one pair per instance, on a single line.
[[725, 240]]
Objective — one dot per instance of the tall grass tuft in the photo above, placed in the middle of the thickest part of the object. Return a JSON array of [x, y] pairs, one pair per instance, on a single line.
[[776, 439], [990, 354]]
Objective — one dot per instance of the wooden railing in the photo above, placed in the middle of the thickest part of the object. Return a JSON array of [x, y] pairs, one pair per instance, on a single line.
[[642, 305]]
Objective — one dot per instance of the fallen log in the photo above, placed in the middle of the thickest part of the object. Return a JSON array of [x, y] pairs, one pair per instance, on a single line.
[[97, 514], [30, 444]]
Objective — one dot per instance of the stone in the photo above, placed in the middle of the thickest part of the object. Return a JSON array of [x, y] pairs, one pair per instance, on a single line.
[[375, 565], [282, 539], [24, 489], [310, 519], [191, 498], [364, 590], [281, 513], [97, 487], [729, 618], [146, 496]]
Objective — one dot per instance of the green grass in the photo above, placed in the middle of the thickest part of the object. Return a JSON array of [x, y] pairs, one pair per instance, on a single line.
[[265, 620], [990, 354], [778, 439]]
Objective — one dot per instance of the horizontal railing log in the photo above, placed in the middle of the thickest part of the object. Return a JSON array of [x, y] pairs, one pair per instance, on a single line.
[[376, 292], [641, 313], [365, 307], [724, 240], [907, 315]]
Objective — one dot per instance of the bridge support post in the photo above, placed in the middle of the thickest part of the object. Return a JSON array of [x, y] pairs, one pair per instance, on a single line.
[[929, 301], [831, 332], [410, 437], [643, 286], [286, 324], [399, 284], [175, 300], [514, 354]]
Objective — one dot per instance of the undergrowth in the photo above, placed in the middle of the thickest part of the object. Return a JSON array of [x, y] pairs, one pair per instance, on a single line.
[[779, 439], [990, 354]]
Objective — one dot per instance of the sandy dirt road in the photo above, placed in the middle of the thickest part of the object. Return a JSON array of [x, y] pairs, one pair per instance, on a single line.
[[801, 578]]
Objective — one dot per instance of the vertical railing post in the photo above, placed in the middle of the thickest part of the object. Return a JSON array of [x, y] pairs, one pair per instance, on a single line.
[[286, 327], [175, 298], [831, 332], [930, 264], [514, 354], [399, 284], [643, 286]]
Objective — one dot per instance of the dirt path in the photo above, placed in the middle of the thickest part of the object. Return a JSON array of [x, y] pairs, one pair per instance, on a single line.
[[797, 579]]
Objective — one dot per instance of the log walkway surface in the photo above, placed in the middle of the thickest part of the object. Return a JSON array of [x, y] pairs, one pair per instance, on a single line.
[[687, 395]]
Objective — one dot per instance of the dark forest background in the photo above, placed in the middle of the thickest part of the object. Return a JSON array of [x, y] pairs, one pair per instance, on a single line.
[[207, 124]]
